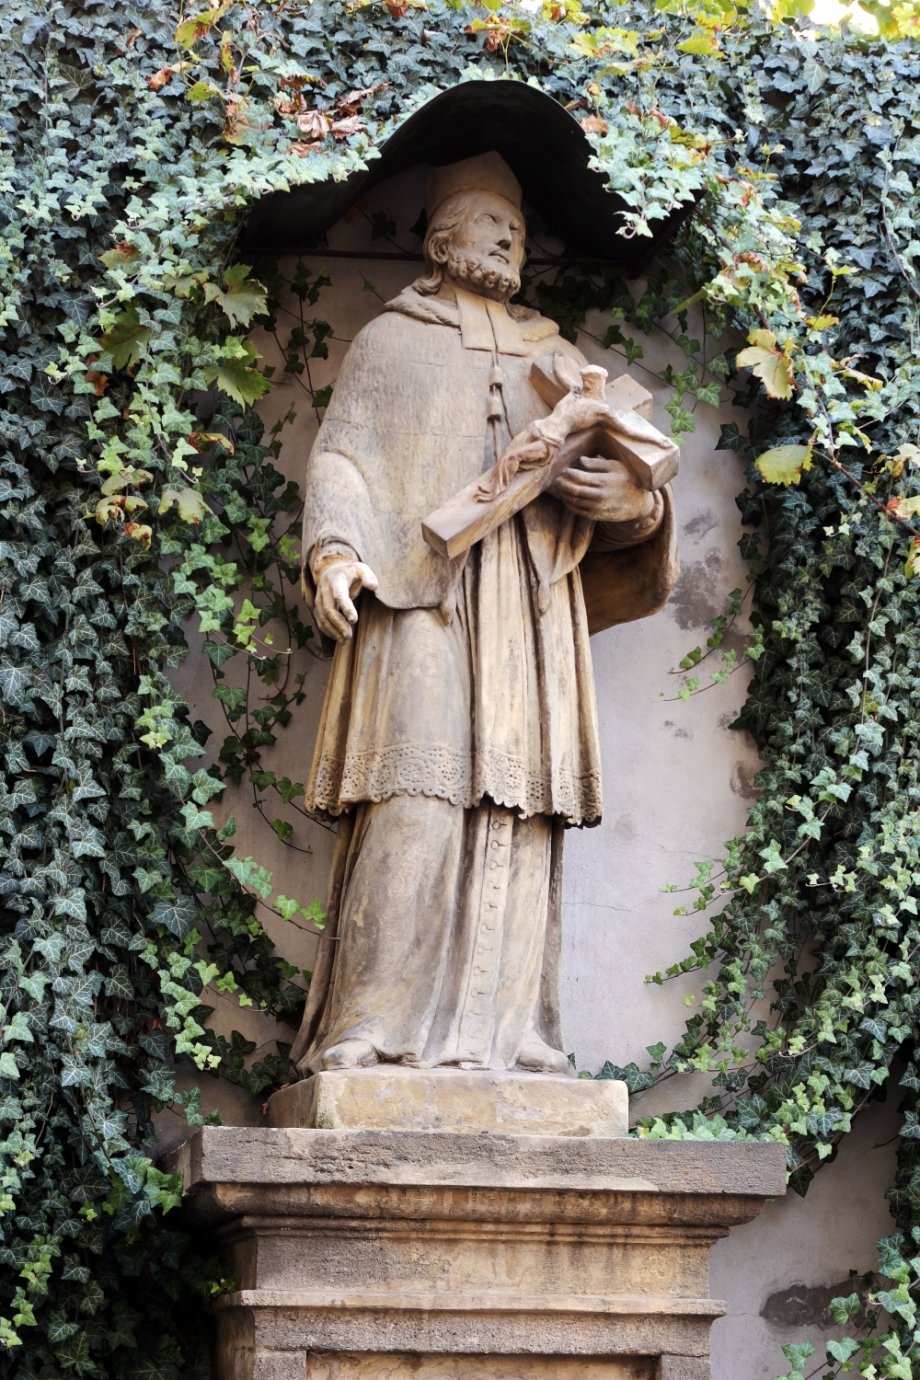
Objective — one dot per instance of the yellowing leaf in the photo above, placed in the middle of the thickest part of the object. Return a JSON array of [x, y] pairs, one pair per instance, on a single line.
[[125, 340], [119, 257], [906, 21], [202, 91], [234, 130], [201, 439], [823, 322], [140, 531], [907, 507], [868, 381], [765, 339], [123, 479], [191, 505], [190, 30], [701, 45], [784, 464], [770, 364], [241, 298], [912, 564]]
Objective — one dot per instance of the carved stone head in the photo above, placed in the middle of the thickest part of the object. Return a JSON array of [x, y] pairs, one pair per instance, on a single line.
[[475, 236]]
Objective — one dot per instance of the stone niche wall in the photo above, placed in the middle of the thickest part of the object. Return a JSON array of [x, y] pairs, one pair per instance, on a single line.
[[677, 784]]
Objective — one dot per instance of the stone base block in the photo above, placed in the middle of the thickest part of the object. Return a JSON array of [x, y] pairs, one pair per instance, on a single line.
[[416, 1367], [390, 1097], [433, 1255]]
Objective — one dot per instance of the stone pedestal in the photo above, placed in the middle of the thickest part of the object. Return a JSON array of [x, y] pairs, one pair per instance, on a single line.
[[433, 1255], [390, 1097]]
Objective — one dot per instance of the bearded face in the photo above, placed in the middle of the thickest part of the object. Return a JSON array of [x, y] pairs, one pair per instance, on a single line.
[[476, 271], [477, 241]]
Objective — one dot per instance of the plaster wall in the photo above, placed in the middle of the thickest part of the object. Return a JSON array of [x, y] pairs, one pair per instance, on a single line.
[[677, 784]]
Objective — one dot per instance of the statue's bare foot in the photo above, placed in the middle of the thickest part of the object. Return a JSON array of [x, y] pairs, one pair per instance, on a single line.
[[350, 1054], [538, 1057]]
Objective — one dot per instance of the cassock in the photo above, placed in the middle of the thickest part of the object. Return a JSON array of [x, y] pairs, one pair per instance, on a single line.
[[459, 732]]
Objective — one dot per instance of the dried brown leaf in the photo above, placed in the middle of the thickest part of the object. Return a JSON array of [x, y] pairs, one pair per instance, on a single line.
[[314, 124], [342, 129]]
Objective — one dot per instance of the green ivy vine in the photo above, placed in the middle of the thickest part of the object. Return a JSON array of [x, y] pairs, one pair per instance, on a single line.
[[138, 490]]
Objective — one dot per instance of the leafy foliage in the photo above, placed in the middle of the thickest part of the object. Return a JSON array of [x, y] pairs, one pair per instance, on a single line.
[[137, 490]]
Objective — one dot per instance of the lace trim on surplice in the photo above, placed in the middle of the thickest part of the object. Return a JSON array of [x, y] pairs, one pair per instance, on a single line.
[[411, 769]]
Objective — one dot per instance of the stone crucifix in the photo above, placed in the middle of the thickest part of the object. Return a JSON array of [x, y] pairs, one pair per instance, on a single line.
[[459, 733]]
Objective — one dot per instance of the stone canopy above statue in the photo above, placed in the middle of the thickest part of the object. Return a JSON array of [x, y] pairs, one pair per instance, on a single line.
[[542, 143]]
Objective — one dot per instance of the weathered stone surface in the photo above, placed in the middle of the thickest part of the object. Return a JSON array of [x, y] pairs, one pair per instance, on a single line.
[[532, 1332], [298, 1159], [419, 1367], [371, 1253], [685, 1368], [391, 1098], [459, 731]]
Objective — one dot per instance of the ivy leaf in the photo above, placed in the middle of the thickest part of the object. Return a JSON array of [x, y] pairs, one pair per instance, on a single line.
[[241, 298], [149, 1367], [315, 914], [192, 507], [798, 1353], [842, 1310], [125, 339], [8, 1065], [784, 464], [233, 697], [202, 91], [239, 378], [248, 873], [118, 984], [18, 1029], [190, 30], [700, 45], [861, 1075], [14, 681], [177, 915], [59, 1329], [120, 256], [219, 652], [815, 75], [770, 364], [74, 1353], [842, 1350]]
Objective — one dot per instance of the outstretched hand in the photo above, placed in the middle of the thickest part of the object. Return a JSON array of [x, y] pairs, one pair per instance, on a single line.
[[338, 585]]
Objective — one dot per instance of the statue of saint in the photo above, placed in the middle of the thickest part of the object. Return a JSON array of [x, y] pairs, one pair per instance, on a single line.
[[459, 733]]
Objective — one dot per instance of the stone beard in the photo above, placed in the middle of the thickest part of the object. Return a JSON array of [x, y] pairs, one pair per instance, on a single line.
[[469, 269], [459, 733]]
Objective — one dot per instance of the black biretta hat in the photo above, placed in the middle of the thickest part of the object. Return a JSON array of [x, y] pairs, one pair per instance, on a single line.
[[538, 138]]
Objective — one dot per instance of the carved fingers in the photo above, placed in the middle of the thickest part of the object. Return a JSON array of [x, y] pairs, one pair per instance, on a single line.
[[603, 491], [336, 589]]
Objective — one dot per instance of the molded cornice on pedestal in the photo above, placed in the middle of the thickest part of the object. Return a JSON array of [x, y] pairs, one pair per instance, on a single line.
[[451, 1256]]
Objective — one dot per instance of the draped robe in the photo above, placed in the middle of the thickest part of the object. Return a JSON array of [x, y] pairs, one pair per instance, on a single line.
[[459, 731]]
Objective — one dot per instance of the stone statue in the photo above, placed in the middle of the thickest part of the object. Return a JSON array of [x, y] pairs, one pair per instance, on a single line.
[[459, 733]]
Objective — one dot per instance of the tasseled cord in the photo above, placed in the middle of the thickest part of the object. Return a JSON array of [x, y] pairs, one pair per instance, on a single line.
[[496, 402]]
